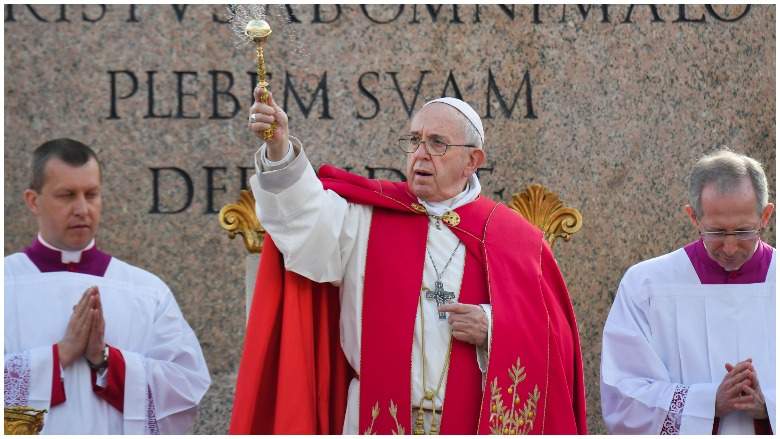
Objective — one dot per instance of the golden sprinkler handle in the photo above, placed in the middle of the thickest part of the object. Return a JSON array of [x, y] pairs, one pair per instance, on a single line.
[[258, 31]]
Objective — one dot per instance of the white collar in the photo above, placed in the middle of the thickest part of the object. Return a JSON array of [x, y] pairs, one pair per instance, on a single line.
[[68, 257], [439, 208]]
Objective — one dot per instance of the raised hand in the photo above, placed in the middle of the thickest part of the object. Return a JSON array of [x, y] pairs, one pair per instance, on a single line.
[[261, 116]]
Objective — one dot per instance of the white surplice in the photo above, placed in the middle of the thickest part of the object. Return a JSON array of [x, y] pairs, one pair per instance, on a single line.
[[325, 238], [166, 374], [666, 341]]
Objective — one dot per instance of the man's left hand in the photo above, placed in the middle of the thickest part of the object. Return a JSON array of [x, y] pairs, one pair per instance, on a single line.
[[469, 323], [751, 399], [752, 402], [96, 344]]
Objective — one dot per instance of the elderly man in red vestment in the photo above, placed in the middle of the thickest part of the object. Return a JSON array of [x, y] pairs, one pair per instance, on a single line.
[[378, 301]]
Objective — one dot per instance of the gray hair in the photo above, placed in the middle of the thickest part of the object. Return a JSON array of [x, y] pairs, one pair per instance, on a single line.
[[726, 169], [471, 135]]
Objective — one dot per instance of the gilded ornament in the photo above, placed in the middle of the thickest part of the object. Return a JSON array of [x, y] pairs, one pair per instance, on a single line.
[[258, 31], [23, 420], [240, 218], [546, 211], [451, 218]]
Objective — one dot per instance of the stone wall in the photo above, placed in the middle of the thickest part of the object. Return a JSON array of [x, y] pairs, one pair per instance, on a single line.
[[607, 105]]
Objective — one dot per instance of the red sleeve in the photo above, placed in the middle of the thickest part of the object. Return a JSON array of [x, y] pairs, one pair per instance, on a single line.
[[57, 385], [762, 426], [114, 391], [262, 403]]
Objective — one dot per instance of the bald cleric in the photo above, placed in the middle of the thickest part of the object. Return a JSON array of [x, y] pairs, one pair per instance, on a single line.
[[378, 301]]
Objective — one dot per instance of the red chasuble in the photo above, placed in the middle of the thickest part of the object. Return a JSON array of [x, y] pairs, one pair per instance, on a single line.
[[534, 381]]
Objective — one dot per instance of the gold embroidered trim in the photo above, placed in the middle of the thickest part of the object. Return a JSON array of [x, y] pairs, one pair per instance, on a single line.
[[419, 208], [374, 415], [511, 419], [399, 429], [393, 409]]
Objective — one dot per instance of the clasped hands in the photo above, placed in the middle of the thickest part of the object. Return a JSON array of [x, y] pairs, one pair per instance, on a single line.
[[740, 391], [84, 334]]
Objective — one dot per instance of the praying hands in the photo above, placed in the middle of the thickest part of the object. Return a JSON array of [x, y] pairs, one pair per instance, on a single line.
[[740, 391], [85, 330]]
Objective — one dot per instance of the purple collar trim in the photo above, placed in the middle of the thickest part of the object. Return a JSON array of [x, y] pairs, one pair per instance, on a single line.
[[93, 261], [752, 272]]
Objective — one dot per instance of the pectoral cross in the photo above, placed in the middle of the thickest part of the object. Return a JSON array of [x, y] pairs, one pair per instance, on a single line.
[[440, 296]]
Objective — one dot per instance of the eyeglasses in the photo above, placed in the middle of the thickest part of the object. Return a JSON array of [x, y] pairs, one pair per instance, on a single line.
[[739, 235], [410, 144]]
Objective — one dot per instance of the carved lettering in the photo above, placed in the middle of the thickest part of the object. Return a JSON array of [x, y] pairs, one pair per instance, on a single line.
[[365, 8], [507, 110], [318, 14], [455, 89], [320, 90], [433, 11], [180, 94], [683, 18], [180, 10], [225, 93], [113, 113], [132, 18], [246, 173], [711, 10], [365, 92], [182, 174], [409, 107], [585, 11], [210, 188], [653, 9], [88, 18], [150, 114]]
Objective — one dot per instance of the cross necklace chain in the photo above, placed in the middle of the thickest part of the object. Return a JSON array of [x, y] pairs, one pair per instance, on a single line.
[[439, 294]]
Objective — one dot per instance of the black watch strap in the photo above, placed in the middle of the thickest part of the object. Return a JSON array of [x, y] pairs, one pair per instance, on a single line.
[[103, 364]]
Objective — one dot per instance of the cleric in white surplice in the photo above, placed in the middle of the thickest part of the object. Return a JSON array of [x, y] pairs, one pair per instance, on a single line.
[[689, 345], [99, 343]]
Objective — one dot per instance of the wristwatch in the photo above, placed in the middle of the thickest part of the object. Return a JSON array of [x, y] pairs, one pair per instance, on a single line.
[[103, 363]]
